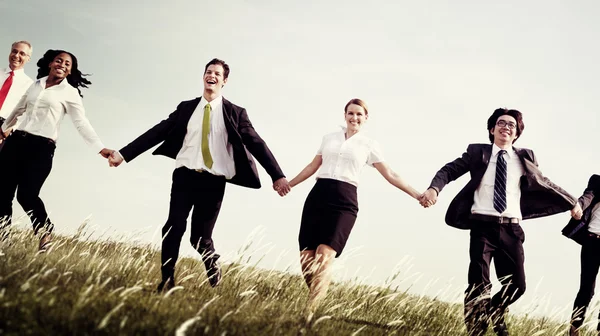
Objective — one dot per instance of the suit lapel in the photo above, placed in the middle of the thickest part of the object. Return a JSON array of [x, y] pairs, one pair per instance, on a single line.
[[228, 118], [486, 153], [187, 113], [227, 110], [526, 160]]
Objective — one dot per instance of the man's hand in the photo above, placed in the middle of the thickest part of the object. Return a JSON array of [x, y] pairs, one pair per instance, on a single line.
[[4, 135], [105, 152], [428, 198], [577, 212], [282, 186], [115, 159]]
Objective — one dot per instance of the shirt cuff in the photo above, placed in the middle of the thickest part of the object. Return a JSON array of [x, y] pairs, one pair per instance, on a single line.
[[120, 156], [98, 146]]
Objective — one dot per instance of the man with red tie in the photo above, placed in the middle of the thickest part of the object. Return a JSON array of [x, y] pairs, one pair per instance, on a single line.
[[14, 80]]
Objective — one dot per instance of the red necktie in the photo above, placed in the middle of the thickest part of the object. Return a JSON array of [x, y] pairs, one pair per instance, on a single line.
[[5, 87]]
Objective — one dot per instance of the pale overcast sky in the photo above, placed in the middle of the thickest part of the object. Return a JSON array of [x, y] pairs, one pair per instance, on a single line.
[[431, 72]]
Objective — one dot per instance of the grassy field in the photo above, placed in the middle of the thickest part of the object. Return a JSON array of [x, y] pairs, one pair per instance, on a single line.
[[84, 287]]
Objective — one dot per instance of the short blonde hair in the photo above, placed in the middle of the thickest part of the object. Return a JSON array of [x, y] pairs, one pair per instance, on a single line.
[[23, 42], [358, 102]]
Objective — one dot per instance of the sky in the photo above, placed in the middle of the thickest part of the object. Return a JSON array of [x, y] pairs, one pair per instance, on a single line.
[[431, 72]]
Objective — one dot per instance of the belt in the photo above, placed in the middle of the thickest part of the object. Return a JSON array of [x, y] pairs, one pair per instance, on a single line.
[[495, 219], [593, 235], [32, 136]]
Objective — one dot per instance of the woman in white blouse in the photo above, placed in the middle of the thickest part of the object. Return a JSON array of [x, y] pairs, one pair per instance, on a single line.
[[331, 207], [26, 159]]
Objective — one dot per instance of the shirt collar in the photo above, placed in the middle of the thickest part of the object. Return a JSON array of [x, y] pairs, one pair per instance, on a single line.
[[343, 132], [495, 149], [62, 84], [17, 72], [214, 104]]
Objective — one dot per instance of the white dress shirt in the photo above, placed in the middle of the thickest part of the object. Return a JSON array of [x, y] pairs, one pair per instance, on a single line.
[[344, 159], [41, 111], [21, 82], [594, 225], [190, 155], [484, 195]]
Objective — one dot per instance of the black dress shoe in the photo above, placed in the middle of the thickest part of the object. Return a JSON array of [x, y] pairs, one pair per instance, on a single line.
[[213, 270], [573, 331], [45, 241], [165, 285], [500, 327]]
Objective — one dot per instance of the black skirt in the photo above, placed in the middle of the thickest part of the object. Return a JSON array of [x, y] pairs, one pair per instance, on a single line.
[[328, 216]]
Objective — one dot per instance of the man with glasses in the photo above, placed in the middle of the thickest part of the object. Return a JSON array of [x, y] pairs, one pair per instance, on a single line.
[[506, 187], [13, 79]]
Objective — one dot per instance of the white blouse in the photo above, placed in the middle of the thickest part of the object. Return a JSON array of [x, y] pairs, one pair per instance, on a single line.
[[43, 109], [344, 159]]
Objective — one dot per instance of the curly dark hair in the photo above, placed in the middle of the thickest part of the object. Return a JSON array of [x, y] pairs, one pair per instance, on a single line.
[[491, 123], [75, 78]]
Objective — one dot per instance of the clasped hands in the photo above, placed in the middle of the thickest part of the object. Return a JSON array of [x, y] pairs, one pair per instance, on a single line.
[[114, 158], [577, 212], [4, 135], [282, 186], [428, 198]]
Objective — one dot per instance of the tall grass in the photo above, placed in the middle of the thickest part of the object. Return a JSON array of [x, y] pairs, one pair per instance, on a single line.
[[84, 287]]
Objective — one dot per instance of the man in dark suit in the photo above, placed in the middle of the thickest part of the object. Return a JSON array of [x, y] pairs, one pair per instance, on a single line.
[[584, 228], [211, 140], [506, 187]]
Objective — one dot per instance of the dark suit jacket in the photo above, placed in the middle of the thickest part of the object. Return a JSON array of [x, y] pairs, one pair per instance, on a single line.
[[539, 196], [242, 137], [577, 229]]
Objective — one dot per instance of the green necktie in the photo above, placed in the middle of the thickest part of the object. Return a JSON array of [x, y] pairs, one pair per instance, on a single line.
[[208, 161]]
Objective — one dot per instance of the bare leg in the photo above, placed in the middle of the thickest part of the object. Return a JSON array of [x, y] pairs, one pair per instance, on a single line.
[[307, 258], [324, 256]]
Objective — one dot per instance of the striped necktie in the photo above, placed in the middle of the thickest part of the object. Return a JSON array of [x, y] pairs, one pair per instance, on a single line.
[[500, 183]]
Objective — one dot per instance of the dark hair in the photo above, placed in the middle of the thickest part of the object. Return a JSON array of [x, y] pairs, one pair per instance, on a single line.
[[491, 123], [358, 102], [75, 78], [216, 61]]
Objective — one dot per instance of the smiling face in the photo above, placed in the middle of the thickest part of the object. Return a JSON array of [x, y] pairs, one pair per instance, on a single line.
[[20, 54], [505, 130], [356, 116], [214, 78], [60, 67]]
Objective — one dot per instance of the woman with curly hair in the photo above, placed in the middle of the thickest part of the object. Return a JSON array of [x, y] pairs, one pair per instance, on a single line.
[[26, 159]]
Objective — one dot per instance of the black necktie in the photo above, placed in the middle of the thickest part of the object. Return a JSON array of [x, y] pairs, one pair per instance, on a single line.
[[500, 183]]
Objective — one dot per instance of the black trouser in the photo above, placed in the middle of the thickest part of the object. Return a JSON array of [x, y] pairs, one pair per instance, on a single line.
[[504, 244], [202, 191], [25, 163], [590, 263]]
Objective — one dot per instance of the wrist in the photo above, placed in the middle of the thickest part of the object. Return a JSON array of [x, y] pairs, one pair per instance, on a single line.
[[434, 189]]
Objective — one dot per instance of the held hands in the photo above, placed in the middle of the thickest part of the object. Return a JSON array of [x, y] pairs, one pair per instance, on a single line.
[[577, 212], [115, 159], [4, 135], [428, 198], [282, 186], [105, 152]]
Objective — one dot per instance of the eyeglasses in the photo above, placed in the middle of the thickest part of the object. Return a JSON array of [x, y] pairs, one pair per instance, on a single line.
[[502, 123]]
